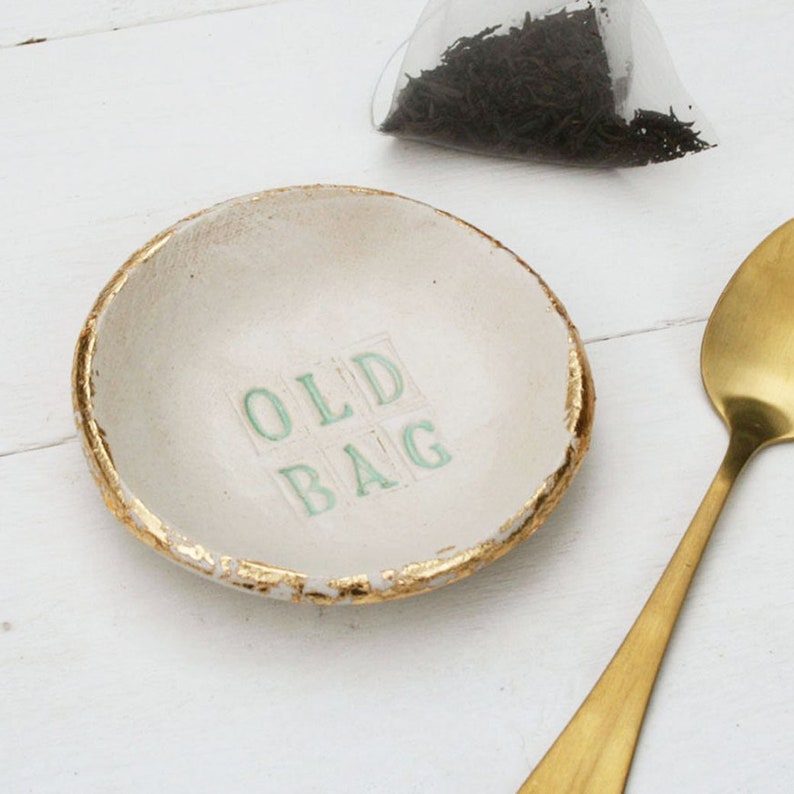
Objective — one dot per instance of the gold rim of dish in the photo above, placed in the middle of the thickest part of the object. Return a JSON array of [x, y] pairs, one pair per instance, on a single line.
[[261, 577]]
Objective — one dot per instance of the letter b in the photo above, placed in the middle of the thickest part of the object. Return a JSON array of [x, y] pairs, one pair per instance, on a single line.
[[305, 481]]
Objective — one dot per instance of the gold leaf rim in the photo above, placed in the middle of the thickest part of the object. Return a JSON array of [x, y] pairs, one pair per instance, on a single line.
[[260, 577]]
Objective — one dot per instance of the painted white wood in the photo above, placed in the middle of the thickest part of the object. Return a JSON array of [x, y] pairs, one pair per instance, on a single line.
[[123, 673], [103, 148], [30, 22]]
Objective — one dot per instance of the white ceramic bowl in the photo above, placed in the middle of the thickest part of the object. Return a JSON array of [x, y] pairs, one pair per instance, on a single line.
[[330, 394]]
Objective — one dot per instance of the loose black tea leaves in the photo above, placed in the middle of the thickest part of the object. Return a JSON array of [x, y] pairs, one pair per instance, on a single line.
[[544, 90]]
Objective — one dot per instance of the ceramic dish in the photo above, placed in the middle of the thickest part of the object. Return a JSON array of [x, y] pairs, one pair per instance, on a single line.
[[330, 394]]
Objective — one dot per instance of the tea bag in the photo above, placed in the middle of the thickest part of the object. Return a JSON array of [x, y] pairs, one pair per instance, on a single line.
[[587, 82]]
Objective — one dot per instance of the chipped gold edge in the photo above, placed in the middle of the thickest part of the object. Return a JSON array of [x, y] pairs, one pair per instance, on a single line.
[[259, 577]]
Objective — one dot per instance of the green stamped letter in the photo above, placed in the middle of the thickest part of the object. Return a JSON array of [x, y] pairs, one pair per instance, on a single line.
[[365, 362], [286, 422], [441, 457], [371, 475], [305, 481], [326, 414]]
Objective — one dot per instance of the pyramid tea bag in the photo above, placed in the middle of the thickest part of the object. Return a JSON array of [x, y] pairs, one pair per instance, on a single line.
[[589, 83]]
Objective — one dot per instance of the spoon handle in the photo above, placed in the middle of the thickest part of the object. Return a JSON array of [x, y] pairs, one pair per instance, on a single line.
[[593, 754]]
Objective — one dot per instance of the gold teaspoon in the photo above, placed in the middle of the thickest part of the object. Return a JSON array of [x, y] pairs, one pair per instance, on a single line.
[[747, 364]]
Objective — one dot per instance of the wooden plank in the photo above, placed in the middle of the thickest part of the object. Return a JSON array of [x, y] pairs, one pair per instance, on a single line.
[[117, 147], [110, 654], [103, 148], [31, 23]]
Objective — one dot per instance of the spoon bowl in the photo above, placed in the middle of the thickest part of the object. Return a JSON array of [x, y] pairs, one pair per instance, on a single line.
[[747, 357], [747, 365]]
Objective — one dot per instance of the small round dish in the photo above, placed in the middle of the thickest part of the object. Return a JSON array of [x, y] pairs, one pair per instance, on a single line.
[[330, 394]]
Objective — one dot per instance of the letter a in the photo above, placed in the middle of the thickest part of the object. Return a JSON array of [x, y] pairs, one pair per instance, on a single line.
[[362, 465]]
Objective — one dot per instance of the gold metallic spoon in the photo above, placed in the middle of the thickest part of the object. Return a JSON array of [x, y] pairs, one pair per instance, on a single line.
[[747, 363]]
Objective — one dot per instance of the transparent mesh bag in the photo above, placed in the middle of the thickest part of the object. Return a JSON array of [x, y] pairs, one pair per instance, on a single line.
[[585, 82]]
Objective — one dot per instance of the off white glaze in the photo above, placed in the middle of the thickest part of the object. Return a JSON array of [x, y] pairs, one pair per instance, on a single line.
[[256, 293]]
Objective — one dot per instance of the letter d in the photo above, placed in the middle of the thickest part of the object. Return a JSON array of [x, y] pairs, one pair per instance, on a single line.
[[384, 397]]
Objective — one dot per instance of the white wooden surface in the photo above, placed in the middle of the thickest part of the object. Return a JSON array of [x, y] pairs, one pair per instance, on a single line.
[[123, 673]]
